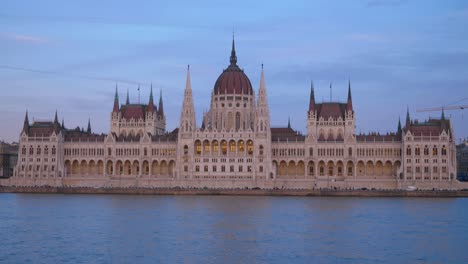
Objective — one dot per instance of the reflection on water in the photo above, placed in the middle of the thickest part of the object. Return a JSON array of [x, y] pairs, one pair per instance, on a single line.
[[232, 229]]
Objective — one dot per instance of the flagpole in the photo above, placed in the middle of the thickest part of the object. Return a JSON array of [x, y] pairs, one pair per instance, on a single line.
[[138, 94]]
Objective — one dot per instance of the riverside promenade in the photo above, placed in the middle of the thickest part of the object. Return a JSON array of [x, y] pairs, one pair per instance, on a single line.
[[242, 192]]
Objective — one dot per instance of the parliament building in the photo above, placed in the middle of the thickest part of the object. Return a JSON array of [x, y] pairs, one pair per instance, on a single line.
[[235, 146]]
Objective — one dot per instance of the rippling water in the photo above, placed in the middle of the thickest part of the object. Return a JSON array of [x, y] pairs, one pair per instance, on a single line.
[[42, 228]]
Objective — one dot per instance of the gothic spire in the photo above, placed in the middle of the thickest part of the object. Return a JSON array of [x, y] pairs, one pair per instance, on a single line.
[[408, 119], [160, 106], [350, 101], [26, 123], [116, 100], [151, 102], [128, 98], [63, 123], [56, 123], [289, 122], [88, 130], [233, 58], [443, 114], [187, 115], [399, 126], [55, 118], [312, 97]]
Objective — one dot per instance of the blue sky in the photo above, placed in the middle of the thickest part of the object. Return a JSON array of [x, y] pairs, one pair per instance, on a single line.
[[397, 53]]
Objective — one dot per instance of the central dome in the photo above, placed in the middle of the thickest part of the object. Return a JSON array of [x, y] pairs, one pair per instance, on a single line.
[[233, 80]]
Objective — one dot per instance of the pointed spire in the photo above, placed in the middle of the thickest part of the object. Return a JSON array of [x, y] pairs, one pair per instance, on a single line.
[[262, 94], [26, 123], [350, 100], [312, 97], [187, 115], [128, 98], [116, 100], [443, 114], [56, 118], [408, 119], [188, 85], [56, 123], [63, 124], [161, 107], [88, 130], [289, 122], [233, 58], [399, 126], [151, 102]]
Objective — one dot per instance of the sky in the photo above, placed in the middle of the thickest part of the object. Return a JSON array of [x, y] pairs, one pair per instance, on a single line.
[[68, 56]]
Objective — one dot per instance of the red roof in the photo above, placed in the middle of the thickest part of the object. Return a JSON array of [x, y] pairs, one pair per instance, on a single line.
[[285, 134], [331, 109], [233, 80], [135, 111]]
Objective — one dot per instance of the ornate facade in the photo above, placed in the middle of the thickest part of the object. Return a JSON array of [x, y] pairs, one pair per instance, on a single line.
[[235, 147]]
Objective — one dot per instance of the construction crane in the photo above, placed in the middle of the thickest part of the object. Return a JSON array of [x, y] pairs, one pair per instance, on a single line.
[[455, 107]]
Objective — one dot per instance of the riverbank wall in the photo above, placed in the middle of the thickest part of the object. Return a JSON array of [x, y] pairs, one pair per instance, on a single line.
[[241, 192]]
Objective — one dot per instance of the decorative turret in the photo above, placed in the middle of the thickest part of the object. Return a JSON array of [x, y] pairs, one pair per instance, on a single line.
[[56, 123], [443, 115], [26, 123], [160, 107], [128, 98], [233, 58], [88, 130], [399, 126], [408, 119], [263, 110], [151, 102], [63, 124], [116, 101], [187, 115], [312, 98], [289, 122], [350, 101]]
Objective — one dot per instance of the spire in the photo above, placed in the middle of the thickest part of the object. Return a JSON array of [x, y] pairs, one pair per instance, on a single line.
[[115, 109], [88, 130], [312, 97], [26, 123], [289, 122], [233, 58], [151, 102], [56, 123], [63, 124], [128, 99], [160, 107], [399, 126], [55, 118], [187, 115], [262, 94], [350, 101], [443, 114], [408, 119]]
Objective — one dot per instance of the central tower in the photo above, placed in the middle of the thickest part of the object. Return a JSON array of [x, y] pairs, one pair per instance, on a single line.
[[232, 105]]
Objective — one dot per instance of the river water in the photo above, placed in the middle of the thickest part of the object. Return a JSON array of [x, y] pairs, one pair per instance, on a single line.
[[54, 228]]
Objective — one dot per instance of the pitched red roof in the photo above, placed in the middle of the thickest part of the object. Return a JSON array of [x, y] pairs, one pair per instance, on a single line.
[[135, 111], [378, 138], [285, 134], [432, 127], [76, 135], [41, 129], [334, 110]]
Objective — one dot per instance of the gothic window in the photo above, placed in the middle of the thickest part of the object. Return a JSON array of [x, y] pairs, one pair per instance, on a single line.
[[250, 147], [198, 147], [444, 151], [260, 150], [408, 151], [434, 151], [350, 152], [417, 151], [23, 150], [53, 150], [426, 150], [185, 150], [38, 152]]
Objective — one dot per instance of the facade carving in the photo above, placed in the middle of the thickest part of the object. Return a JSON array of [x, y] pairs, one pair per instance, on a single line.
[[235, 147]]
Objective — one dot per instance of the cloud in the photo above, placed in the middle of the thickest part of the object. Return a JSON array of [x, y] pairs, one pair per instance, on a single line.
[[24, 38]]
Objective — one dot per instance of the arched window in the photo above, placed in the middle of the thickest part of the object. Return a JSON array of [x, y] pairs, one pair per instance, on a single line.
[[23, 150], [198, 147], [38, 152], [250, 147], [417, 151], [53, 150], [185, 150], [350, 152], [444, 151], [238, 121], [434, 151], [426, 150], [260, 150], [408, 151]]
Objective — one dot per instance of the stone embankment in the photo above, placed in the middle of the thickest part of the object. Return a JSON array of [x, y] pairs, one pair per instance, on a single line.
[[252, 192]]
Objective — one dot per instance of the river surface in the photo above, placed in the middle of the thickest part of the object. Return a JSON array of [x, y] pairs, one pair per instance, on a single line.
[[54, 228]]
